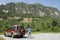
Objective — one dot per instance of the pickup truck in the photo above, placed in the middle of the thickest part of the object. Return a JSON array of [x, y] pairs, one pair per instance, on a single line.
[[15, 31]]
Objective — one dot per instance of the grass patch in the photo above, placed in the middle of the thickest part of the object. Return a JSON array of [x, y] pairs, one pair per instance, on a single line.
[[1, 38], [45, 32], [1, 33], [34, 32]]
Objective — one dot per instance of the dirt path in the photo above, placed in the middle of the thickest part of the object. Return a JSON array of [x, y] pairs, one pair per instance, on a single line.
[[41, 36]]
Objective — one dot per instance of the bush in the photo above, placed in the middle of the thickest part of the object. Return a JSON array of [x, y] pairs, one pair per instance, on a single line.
[[41, 25]]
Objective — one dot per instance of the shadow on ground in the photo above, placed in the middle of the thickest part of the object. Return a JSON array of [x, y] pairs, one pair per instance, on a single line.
[[21, 37]]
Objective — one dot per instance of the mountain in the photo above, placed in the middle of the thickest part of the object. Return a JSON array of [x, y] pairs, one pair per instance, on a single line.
[[16, 9], [39, 17]]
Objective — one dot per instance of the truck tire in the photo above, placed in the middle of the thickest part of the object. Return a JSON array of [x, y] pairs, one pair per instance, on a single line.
[[21, 35]]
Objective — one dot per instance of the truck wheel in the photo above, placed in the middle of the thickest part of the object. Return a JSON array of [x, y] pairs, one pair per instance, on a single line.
[[21, 35]]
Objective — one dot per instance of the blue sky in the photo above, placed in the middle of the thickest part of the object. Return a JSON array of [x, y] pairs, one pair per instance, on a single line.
[[52, 3]]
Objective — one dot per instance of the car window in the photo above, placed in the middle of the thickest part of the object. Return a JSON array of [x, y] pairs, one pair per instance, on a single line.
[[13, 28], [20, 27]]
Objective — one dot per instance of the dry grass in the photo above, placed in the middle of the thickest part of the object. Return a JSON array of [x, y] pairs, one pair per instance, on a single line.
[[1, 38]]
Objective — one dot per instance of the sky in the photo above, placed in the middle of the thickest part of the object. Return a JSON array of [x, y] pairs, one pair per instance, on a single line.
[[50, 3]]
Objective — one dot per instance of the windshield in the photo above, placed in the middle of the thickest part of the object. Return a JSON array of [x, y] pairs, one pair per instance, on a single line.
[[20, 27], [13, 28]]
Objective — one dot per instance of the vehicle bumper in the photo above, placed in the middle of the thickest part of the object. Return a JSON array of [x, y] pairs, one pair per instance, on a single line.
[[18, 34]]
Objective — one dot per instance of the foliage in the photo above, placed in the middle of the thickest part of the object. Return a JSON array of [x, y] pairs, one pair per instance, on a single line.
[[46, 23], [41, 25]]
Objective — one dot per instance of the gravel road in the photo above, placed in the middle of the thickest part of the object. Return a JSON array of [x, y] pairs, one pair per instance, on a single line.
[[41, 36]]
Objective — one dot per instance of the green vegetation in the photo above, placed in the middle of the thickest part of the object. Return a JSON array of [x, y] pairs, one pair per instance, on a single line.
[[44, 19], [18, 9], [41, 25]]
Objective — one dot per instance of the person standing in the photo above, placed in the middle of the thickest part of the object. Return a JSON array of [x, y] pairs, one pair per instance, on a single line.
[[29, 32]]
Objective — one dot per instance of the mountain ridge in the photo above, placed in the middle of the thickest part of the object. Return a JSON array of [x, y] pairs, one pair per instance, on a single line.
[[34, 9]]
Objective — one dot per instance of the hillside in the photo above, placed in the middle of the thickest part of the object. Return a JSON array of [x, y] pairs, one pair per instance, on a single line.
[[41, 18], [28, 10]]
